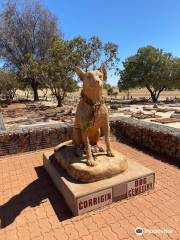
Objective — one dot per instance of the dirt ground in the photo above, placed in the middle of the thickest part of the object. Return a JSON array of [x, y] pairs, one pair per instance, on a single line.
[[42, 113], [29, 114], [45, 112]]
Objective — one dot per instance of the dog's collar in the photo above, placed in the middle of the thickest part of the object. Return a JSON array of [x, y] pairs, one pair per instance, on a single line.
[[89, 102]]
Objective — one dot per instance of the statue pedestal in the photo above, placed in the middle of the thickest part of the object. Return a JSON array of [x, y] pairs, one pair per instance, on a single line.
[[76, 166], [85, 197]]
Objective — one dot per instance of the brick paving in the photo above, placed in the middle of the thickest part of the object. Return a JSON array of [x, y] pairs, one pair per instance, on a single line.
[[32, 208]]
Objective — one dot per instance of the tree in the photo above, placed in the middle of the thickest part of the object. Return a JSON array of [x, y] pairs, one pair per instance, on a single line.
[[176, 73], [8, 84], [150, 68], [109, 89], [31, 72], [57, 70], [26, 31], [92, 52]]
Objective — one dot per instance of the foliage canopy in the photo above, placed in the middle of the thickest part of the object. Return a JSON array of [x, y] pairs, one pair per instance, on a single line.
[[151, 68]]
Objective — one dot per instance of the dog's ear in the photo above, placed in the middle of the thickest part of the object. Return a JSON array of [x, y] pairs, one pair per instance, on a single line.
[[80, 73], [104, 72]]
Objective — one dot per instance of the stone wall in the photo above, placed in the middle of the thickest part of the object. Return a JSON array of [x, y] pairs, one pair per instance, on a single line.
[[158, 138], [28, 139], [162, 139]]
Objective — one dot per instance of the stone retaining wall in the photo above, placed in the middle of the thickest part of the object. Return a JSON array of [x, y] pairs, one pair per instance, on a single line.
[[162, 139], [28, 139], [158, 138]]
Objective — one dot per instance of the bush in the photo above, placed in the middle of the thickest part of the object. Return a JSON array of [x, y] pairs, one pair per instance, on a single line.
[[8, 84]]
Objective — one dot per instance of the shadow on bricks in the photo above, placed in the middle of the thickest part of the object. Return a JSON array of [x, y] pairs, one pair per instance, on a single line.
[[151, 153], [32, 196]]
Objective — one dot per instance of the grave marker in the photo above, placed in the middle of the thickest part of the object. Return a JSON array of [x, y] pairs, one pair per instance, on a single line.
[[2, 127]]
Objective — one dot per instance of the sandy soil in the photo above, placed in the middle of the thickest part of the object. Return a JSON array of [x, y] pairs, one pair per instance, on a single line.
[[21, 114], [139, 108], [30, 114]]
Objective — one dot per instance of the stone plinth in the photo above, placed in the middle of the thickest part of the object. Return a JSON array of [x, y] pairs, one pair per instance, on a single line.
[[85, 197], [77, 168]]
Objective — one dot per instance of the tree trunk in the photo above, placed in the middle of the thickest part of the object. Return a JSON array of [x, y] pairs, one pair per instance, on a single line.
[[154, 98], [60, 97], [59, 100], [154, 94], [128, 94], [34, 86], [8, 99], [159, 92]]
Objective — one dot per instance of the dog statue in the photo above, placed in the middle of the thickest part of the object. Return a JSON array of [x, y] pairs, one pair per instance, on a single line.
[[92, 113]]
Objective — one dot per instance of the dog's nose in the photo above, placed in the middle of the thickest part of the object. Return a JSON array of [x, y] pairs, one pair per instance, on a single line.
[[97, 80], [98, 83]]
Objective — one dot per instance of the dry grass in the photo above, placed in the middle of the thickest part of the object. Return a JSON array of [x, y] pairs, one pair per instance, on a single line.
[[135, 93]]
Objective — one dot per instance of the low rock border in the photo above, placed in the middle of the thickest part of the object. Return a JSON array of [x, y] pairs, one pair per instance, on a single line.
[[30, 139], [161, 139]]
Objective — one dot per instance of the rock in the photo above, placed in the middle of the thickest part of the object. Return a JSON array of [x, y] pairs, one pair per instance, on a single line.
[[55, 118], [4, 105], [114, 106], [155, 105], [175, 115], [2, 127], [141, 115], [77, 168], [177, 111], [166, 120], [165, 109], [148, 108]]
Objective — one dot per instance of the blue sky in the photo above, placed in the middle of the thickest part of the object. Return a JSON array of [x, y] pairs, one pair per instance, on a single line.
[[129, 23]]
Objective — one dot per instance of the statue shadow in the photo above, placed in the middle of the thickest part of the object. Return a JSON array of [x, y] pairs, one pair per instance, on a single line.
[[33, 195]]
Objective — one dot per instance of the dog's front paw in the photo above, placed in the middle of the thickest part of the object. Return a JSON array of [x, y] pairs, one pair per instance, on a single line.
[[91, 163], [110, 154]]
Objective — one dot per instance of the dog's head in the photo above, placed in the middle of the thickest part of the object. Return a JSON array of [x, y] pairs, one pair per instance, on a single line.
[[94, 79]]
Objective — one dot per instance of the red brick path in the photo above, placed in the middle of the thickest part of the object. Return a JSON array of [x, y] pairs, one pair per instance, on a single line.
[[32, 208]]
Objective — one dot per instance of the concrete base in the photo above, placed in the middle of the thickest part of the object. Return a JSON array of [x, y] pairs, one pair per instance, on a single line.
[[85, 197]]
